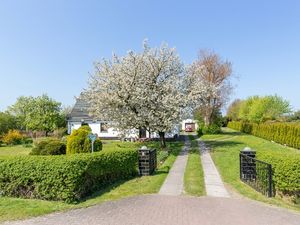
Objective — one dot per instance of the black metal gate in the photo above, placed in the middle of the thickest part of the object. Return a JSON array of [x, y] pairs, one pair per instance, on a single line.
[[257, 174]]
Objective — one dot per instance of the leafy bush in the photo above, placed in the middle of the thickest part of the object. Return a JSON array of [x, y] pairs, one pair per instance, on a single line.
[[211, 129], [282, 133], [66, 178], [286, 172], [27, 141], [49, 147], [199, 131], [27, 145], [78, 141], [13, 137]]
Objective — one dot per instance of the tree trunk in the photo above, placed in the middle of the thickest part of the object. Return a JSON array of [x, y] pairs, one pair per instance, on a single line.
[[206, 121], [162, 139]]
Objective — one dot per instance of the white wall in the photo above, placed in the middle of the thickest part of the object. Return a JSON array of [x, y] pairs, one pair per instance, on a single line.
[[95, 126], [112, 132]]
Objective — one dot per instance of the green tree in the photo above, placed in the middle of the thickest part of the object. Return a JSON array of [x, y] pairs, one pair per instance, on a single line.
[[37, 114], [234, 109], [260, 109], [245, 107], [268, 108], [7, 122], [20, 110]]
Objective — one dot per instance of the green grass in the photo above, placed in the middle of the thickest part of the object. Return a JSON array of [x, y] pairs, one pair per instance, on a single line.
[[15, 208], [193, 176], [226, 157], [14, 150]]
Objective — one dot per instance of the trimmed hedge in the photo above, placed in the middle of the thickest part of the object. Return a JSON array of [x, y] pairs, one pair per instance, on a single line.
[[285, 165], [282, 133], [66, 178], [286, 172]]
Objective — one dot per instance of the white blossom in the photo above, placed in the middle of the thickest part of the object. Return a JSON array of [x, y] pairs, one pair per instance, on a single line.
[[139, 90]]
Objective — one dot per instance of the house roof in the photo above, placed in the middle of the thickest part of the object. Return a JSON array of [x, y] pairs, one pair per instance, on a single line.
[[80, 111]]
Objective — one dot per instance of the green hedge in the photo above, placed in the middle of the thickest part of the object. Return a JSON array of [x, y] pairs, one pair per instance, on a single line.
[[285, 165], [286, 172], [282, 133], [66, 178]]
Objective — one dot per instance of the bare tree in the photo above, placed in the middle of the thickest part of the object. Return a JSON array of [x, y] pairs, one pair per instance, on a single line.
[[210, 87]]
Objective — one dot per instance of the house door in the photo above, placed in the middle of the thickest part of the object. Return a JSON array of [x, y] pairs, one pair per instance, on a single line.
[[142, 133], [190, 126]]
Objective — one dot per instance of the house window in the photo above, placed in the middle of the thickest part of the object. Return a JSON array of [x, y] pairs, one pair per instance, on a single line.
[[104, 127]]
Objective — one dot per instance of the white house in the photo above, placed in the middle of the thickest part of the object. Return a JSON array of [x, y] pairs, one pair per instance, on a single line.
[[104, 129]]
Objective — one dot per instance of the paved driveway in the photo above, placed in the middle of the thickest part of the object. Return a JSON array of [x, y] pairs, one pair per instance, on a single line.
[[172, 210]]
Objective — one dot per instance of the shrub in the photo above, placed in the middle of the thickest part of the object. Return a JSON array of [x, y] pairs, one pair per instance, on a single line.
[[27, 145], [78, 141], [286, 172], [199, 131], [13, 137], [66, 178], [211, 129], [282, 133], [49, 147], [27, 141]]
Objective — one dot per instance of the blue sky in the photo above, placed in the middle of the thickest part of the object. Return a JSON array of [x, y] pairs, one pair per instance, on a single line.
[[50, 46]]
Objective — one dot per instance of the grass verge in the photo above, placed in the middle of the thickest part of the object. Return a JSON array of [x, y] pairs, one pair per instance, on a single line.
[[193, 176], [15, 208], [225, 154]]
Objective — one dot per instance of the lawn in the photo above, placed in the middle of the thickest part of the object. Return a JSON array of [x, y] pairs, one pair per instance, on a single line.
[[225, 154], [14, 150], [107, 145], [193, 176], [15, 208]]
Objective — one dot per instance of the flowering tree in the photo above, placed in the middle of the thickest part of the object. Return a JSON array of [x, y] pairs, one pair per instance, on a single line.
[[208, 84], [139, 90]]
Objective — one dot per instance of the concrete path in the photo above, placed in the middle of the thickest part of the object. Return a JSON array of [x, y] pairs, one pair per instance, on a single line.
[[173, 184], [171, 210], [213, 182]]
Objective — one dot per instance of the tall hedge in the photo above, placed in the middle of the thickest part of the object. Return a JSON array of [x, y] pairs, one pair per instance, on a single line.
[[282, 133], [66, 178]]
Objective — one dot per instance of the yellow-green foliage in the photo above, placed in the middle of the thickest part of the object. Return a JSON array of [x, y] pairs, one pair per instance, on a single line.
[[78, 141], [282, 133], [13, 137]]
